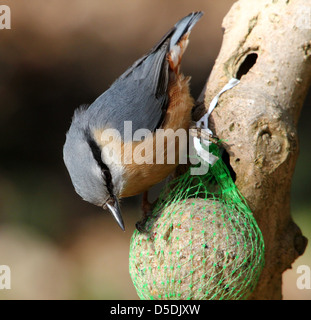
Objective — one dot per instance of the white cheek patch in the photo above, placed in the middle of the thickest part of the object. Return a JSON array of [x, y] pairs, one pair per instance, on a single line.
[[110, 143], [113, 161], [117, 178]]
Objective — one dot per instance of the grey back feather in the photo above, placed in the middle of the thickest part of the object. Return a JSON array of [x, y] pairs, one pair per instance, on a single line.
[[140, 94]]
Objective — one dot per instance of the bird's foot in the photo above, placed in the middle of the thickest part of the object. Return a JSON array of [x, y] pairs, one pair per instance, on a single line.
[[147, 208]]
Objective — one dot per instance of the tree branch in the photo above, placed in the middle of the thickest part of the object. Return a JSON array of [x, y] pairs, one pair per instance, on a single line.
[[267, 44]]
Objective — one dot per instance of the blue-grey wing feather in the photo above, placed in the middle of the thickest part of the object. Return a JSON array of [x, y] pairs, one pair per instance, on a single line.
[[140, 94]]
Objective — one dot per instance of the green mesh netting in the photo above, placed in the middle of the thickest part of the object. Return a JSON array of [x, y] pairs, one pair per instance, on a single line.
[[201, 241]]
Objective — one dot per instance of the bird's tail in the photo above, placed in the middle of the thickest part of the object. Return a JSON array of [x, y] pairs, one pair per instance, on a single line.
[[179, 39]]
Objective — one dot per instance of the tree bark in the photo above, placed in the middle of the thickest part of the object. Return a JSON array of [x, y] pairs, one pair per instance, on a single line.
[[267, 44]]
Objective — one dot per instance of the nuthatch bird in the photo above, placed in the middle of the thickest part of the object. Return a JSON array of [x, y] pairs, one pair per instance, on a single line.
[[152, 94]]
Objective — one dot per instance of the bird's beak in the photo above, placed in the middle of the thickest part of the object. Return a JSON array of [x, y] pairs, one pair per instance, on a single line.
[[114, 208]]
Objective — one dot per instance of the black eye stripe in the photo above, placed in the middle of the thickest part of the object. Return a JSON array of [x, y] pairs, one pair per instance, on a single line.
[[97, 156]]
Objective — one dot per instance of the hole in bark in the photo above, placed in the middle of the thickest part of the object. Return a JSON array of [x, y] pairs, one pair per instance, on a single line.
[[266, 132], [246, 65], [226, 159]]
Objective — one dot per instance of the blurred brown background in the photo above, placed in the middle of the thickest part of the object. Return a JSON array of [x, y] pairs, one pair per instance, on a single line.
[[58, 55]]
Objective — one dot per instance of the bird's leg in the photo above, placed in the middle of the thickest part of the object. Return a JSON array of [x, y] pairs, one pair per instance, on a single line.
[[147, 208]]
